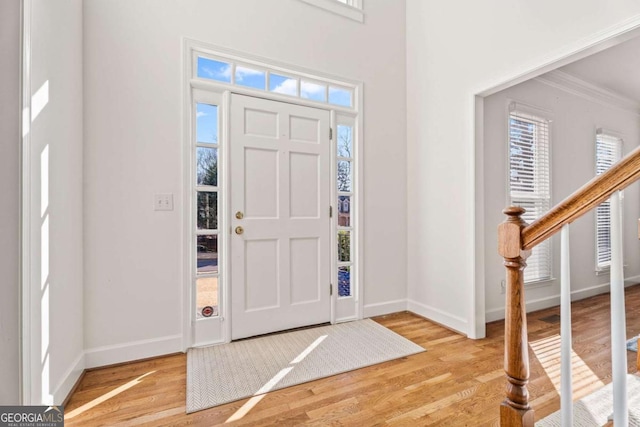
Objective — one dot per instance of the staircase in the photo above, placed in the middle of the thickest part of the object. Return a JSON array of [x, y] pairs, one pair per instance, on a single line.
[[515, 241]]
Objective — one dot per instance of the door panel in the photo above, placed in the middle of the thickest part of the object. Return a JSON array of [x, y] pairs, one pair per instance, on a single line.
[[261, 123], [304, 194], [304, 129], [305, 269], [261, 274], [261, 183], [280, 183]]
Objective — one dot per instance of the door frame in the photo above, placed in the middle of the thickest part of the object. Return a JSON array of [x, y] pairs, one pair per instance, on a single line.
[[218, 329], [595, 43]]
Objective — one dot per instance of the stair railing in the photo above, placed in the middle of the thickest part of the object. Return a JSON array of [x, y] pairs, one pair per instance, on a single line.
[[515, 241]]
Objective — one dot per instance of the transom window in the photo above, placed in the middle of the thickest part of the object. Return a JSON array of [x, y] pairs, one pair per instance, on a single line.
[[529, 182], [264, 78], [608, 153]]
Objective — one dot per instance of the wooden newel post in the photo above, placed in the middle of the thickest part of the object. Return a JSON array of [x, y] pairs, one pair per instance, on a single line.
[[515, 409]]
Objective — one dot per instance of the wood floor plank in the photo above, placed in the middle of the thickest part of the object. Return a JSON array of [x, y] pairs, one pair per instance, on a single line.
[[456, 382]]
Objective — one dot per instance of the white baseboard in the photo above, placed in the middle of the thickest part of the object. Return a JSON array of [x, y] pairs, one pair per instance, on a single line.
[[448, 320], [554, 300], [382, 308], [633, 280], [119, 353], [69, 379]]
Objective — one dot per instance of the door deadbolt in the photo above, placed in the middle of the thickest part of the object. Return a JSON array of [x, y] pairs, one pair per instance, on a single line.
[[239, 230], [239, 215]]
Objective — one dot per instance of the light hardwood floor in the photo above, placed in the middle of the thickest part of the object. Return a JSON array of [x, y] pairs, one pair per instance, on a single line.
[[456, 382]]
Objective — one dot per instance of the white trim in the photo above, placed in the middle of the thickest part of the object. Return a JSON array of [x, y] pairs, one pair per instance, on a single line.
[[345, 319], [448, 320], [360, 224], [25, 209], [69, 379], [333, 221], [387, 307], [515, 106], [212, 85], [615, 134], [554, 300], [601, 40], [477, 321], [589, 91], [224, 290], [187, 329], [135, 350], [334, 6], [209, 331], [595, 43]]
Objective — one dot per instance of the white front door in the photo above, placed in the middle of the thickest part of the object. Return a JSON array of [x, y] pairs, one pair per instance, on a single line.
[[280, 198]]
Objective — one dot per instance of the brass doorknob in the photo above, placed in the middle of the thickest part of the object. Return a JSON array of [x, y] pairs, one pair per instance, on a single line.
[[239, 230], [239, 215]]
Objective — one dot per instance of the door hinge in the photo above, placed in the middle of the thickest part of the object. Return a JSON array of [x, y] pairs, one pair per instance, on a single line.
[[331, 134], [330, 211], [330, 289]]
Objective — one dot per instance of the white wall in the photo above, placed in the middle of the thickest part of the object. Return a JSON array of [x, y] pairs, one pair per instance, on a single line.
[[133, 109], [55, 189], [10, 196], [573, 129], [451, 56]]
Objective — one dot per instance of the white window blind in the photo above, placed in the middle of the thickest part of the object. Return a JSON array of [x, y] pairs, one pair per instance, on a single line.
[[529, 182], [608, 152]]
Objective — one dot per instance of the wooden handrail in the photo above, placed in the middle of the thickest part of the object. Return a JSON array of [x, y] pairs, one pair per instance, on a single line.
[[515, 241], [590, 195]]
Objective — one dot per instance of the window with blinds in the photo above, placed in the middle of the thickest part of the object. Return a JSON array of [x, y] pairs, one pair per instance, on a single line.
[[529, 182], [608, 152]]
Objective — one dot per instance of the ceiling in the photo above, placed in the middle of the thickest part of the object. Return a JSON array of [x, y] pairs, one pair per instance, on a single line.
[[616, 69]]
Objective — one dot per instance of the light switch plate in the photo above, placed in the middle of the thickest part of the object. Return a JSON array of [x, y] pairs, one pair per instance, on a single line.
[[163, 202]]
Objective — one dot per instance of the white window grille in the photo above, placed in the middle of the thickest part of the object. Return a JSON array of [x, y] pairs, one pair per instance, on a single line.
[[262, 77]]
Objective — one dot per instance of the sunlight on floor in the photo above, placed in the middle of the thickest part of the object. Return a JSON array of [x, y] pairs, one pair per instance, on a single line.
[[95, 402], [547, 351], [260, 394]]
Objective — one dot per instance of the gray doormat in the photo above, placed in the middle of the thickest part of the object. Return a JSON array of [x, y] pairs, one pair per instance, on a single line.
[[228, 372]]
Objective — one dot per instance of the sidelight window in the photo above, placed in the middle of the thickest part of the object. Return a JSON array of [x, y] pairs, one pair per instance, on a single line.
[[206, 223], [345, 191]]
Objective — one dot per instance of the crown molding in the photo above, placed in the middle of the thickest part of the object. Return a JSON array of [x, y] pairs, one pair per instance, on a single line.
[[589, 91]]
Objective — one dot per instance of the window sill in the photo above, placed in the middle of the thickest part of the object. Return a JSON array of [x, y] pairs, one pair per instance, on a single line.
[[338, 8], [601, 271]]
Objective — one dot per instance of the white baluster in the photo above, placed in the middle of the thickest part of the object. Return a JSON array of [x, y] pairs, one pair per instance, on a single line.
[[618, 321], [566, 393]]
